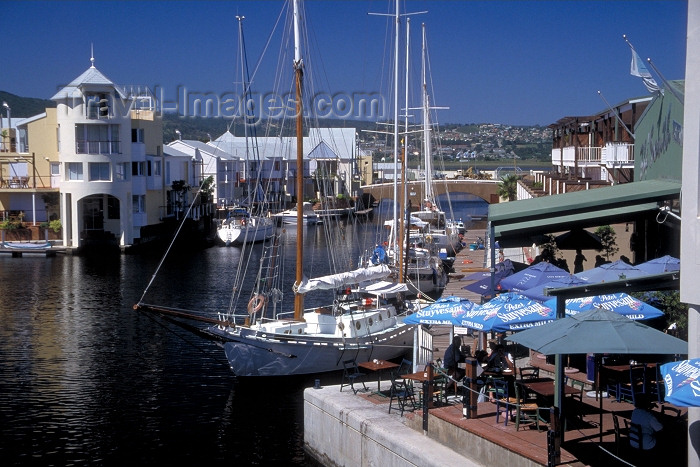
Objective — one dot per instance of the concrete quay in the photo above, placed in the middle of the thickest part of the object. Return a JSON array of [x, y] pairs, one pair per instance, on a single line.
[[344, 429]]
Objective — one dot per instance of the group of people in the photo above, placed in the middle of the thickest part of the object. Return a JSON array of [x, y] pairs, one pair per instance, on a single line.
[[456, 354], [498, 359]]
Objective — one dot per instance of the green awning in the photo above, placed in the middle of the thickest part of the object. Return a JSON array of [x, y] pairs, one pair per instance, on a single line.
[[522, 222]]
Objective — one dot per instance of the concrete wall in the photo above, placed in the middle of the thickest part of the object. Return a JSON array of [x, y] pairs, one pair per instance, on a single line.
[[341, 429]]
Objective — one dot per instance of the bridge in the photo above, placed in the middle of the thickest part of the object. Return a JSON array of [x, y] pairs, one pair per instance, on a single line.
[[484, 189]]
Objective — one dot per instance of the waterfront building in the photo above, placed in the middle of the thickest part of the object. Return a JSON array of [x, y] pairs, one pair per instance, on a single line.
[[96, 162]]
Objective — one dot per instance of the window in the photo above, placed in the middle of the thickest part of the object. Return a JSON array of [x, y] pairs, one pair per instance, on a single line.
[[75, 170], [137, 135], [139, 203], [99, 171], [138, 168], [121, 170], [55, 168], [156, 168], [97, 105], [167, 173]]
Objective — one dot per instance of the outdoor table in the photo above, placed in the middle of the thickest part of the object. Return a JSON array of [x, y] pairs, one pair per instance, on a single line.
[[426, 378], [544, 387], [378, 366]]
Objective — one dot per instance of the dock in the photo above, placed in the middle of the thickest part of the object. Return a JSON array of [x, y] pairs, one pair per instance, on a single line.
[[20, 249]]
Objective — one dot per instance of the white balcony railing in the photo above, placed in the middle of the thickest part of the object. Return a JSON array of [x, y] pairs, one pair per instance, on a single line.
[[584, 155], [616, 154]]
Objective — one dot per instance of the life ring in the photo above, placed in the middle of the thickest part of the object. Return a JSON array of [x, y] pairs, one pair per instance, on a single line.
[[256, 303]]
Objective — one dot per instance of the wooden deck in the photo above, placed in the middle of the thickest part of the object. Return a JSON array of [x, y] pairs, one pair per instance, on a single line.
[[582, 446], [583, 443]]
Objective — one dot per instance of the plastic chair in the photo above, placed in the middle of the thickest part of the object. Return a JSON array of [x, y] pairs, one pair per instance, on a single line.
[[402, 393], [351, 375]]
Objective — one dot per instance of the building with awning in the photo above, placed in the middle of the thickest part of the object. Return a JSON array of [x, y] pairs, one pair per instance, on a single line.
[[650, 204]]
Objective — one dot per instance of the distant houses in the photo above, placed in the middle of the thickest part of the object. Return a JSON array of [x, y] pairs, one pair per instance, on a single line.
[[98, 163]]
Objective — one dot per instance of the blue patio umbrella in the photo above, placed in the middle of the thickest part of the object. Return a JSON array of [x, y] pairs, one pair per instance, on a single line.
[[506, 312], [533, 276], [538, 292], [682, 382], [614, 271], [660, 265], [442, 311], [506, 266], [620, 303], [483, 286]]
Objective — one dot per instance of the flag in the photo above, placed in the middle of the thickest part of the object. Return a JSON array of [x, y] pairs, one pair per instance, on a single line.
[[638, 68]]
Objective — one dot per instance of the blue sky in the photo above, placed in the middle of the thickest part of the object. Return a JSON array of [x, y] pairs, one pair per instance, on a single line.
[[511, 62]]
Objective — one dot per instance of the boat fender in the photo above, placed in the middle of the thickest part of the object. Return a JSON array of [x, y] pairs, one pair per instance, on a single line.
[[242, 221], [341, 326], [256, 303]]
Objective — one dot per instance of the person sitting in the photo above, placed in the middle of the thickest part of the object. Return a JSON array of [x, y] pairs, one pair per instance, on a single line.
[[642, 416], [453, 356], [499, 360]]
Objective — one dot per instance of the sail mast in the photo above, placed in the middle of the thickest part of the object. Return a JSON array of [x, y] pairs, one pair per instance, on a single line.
[[426, 130], [298, 74], [398, 238]]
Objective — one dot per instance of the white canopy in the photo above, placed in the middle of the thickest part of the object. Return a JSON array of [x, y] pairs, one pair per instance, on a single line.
[[343, 279]]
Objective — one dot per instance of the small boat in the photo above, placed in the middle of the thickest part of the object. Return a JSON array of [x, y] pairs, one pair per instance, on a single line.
[[309, 216], [241, 227]]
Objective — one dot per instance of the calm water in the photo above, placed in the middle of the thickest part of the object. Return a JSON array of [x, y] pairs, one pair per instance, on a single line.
[[85, 379]]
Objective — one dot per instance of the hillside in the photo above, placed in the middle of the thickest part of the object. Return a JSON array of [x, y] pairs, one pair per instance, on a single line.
[[23, 107]]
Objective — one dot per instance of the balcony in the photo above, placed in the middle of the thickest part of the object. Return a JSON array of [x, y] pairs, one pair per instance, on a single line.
[[581, 156], [618, 155], [97, 147]]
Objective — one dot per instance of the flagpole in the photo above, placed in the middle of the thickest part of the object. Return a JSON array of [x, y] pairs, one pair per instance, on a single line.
[[666, 83], [616, 115]]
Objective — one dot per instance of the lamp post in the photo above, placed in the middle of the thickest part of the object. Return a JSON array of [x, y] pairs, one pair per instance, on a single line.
[[7, 110]]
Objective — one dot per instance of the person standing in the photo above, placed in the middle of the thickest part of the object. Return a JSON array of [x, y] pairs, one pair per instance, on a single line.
[[578, 261]]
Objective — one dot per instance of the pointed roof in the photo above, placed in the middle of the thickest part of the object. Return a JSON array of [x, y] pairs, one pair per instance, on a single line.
[[92, 76]]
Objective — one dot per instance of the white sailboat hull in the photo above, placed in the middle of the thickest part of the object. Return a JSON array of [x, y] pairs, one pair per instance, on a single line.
[[254, 229]]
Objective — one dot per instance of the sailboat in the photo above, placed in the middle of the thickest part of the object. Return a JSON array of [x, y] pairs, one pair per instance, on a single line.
[[443, 233], [415, 254], [360, 323], [242, 224]]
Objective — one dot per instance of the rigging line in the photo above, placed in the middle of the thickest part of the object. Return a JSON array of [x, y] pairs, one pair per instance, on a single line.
[[172, 242]]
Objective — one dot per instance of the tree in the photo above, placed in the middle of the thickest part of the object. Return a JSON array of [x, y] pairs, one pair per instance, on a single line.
[[508, 187], [608, 240]]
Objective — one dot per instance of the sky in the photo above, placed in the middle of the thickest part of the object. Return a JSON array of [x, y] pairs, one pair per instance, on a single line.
[[509, 62]]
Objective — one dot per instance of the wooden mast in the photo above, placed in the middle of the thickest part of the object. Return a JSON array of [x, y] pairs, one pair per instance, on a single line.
[[298, 74]]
